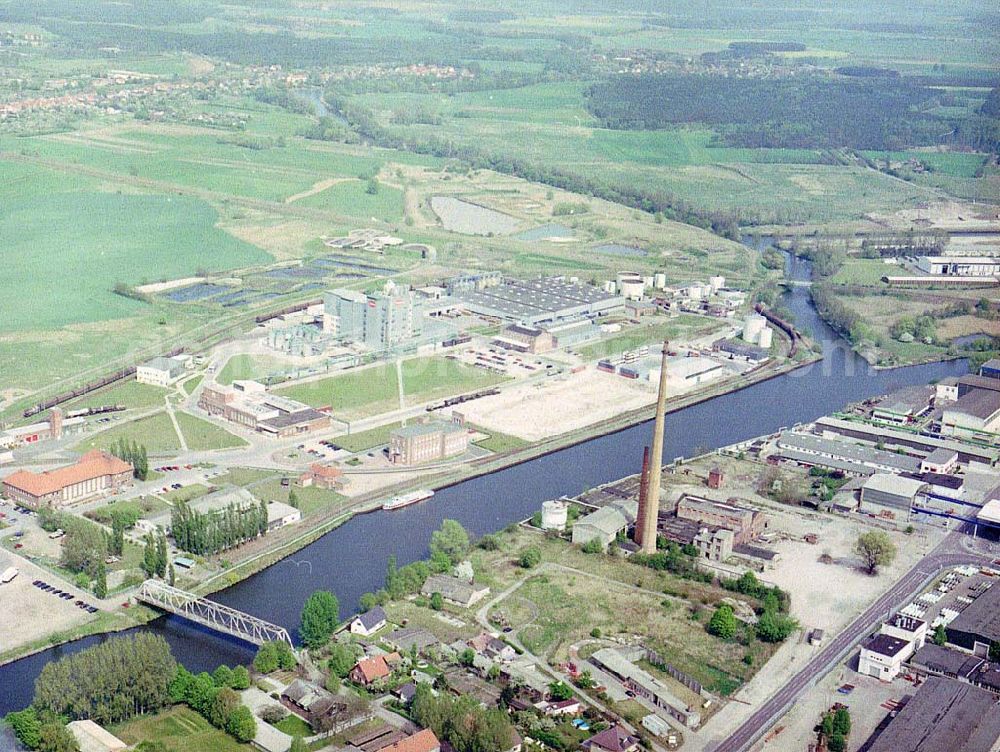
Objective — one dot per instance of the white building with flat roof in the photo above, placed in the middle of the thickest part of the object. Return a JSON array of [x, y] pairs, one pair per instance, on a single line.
[[161, 371]]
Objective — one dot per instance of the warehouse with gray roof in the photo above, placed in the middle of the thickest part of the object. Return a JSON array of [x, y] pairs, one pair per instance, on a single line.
[[843, 455], [535, 301], [945, 715]]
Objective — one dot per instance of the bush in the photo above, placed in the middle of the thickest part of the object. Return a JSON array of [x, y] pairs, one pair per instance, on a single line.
[[593, 546], [272, 713], [241, 724], [723, 623], [530, 558]]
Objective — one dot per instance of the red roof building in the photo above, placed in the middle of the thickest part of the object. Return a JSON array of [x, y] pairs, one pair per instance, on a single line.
[[95, 473], [370, 670]]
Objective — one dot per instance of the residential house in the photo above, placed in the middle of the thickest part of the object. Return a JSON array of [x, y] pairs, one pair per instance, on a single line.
[[493, 648], [454, 590], [367, 671], [613, 739], [369, 622]]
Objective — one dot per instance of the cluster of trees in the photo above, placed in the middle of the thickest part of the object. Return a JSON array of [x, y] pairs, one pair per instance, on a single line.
[[834, 728], [110, 682], [134, 454], [214, 697], [773, 622], [274, 655], [320, 617], [802, 112], [910, 328], [43, 730], [207, 533], [449, 545], [462, 721], [677, 560], [154, 555]]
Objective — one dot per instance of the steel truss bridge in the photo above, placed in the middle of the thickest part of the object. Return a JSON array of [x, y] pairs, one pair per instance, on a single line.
[[210, 614]]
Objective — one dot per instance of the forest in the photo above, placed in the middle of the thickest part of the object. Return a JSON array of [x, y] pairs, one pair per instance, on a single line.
[[884, 113]]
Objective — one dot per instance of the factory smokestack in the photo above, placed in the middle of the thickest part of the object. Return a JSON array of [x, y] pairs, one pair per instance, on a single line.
[[649, 515], [643, 480]]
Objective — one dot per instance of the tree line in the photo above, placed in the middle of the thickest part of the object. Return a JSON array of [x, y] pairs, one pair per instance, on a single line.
[[808, 112], [206, 533], [134, 454]]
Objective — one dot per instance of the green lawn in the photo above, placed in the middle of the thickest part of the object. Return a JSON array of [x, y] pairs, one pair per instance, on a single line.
[[191, 384], [352, 198], [499, 442], [179, 729], [292, 725], [435, 377], [82, 244], [155, 432], [141, 506], [186, 493], [200, 434], [129, 393], [309, 500], [858, 271], [362, 392], [243, 476], [682, 326], [362, 441]]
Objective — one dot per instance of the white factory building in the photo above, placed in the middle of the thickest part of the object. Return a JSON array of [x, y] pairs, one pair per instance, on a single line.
[[960, 266]]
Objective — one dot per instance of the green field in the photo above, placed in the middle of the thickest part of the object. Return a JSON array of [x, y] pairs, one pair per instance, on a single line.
[[499, 442], [200, 434], [155, 432], [431, 378], [856, 271], [130, 394], [365, 392], [362, 441], [179, 729], [82, 244], [352, 198], [309, 500]]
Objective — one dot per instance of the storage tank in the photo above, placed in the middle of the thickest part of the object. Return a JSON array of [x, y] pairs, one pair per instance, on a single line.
[[648, 281], [764, 340], [696, 292], [554, 515], [717, 283], [631, 285], [754, 325], [610, 287], [659, 280]]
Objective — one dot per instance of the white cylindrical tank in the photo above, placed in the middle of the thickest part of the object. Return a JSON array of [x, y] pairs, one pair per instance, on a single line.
[[631, 285], [610, 286], [754, 325], [696, 292], [659, 280], [554, 515], [717, 283], [764, 339], [648, 281]]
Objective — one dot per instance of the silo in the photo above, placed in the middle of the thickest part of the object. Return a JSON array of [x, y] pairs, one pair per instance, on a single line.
[[659, 280], [631, 285], [764, 340], [554, 515], [754, 325], [717, 283]]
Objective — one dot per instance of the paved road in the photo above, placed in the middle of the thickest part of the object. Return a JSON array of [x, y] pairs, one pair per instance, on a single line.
[[946, 555]]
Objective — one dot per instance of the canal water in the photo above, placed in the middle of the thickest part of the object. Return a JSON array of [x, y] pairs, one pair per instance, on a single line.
[[352, 559]]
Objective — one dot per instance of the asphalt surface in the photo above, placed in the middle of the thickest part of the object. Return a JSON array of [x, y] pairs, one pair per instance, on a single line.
[[907, 586]]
